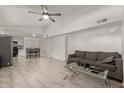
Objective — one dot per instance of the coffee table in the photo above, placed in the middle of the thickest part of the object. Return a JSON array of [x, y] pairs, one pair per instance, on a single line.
[[75, 69]]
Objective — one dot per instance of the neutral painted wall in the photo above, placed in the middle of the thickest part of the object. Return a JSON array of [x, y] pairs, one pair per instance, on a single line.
[[71, 43], [44, 47], [101, 39], [31, 42], [81, 21], [58, 47]]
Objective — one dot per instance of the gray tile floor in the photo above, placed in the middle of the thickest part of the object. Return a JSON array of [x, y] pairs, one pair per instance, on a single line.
[[45, 73]]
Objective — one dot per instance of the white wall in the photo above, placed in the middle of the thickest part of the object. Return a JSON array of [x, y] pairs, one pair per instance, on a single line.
[[58, 47], [107, 38], [81, 21], [71, 43], [31, 42], [44, 47]]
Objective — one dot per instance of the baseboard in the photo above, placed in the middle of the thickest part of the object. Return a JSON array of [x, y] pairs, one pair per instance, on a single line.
[[121, 86], [57, 58]]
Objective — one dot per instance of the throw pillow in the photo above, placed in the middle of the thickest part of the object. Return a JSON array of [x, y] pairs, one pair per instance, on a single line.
[[108, 60]]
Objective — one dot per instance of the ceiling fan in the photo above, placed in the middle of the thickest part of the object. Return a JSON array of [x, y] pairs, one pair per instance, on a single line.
[[45, 14]]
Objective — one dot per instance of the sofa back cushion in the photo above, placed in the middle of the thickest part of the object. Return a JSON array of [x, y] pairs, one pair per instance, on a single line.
[[103, 55], [80, 54], [91, 55]]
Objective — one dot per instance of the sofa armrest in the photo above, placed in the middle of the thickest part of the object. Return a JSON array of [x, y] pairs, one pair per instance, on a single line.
[[69, 58], [106, 66], [119, 64]]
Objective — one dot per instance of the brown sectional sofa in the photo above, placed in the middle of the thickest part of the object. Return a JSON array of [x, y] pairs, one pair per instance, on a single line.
[[95, 58]]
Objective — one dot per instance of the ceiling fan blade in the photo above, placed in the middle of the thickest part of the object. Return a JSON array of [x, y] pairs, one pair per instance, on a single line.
[[51, 19], [41, 19], [55, 14], [34, 12]]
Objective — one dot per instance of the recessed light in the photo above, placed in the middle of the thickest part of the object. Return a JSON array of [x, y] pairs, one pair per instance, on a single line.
[[111, 31], [2, 32], [34, 35]]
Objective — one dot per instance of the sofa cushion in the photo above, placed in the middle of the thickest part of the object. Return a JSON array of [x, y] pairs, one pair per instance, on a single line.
[[80, 54], [108, 60], [86, 61], [91, 55], [103, 55], [106, 66], [74, 60]]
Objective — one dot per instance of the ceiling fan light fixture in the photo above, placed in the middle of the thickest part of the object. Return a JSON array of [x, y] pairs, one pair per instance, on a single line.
[[34, 35], [45, 16]]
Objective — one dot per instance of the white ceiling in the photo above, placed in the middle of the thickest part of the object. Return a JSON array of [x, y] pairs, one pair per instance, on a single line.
[[15, 18]]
